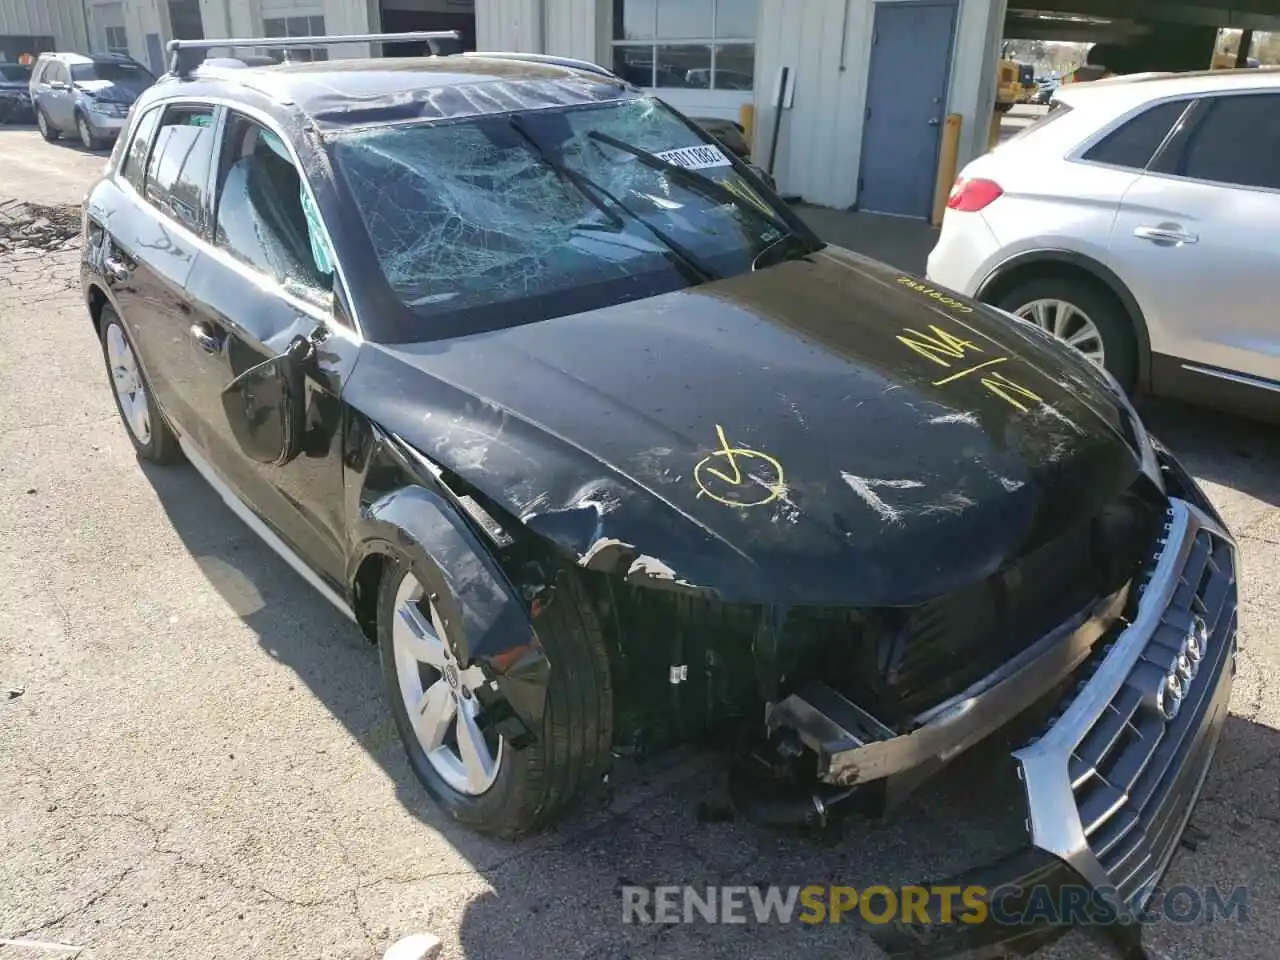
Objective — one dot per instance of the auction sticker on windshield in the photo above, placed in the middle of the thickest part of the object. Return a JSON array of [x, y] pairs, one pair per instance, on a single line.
[[695, 158]]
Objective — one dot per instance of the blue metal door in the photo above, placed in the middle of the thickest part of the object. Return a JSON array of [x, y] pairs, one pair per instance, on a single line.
[[906, 106]]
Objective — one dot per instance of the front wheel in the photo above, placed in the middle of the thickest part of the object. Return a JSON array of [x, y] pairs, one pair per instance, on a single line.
[[478, 778], [1079, 314], [87, 139]]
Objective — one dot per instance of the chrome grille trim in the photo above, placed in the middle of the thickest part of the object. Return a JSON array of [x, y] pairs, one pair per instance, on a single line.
[[1089, 820]]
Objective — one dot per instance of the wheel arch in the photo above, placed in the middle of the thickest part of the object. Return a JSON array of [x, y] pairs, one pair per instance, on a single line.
[[417, 521], [97, 299], [1033, 264]]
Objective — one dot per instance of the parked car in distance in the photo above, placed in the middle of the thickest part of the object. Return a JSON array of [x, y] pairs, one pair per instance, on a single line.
[[1139, 221], [85, 96], [1045, 88], [15, 93], [606, 451]]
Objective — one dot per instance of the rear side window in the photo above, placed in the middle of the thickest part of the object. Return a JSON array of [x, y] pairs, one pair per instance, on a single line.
[[1135, 142], [178, 167], [1236, 142], [135, 161]]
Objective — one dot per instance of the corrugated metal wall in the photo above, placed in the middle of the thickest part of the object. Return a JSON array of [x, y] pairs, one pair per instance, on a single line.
[[829, 51], [514, 25], [61, 19], [576, 28], [821, 135], [572, 28]]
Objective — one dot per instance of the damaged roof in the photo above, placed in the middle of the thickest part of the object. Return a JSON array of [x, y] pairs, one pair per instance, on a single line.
[[352, 92]]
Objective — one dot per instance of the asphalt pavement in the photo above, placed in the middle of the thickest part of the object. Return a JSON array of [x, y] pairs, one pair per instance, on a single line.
[[195, 759]]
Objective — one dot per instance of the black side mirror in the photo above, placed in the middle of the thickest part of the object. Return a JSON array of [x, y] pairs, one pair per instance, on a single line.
[[266, 405]]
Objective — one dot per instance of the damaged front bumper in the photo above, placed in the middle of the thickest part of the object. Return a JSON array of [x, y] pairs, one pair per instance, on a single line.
[[1111, 783], [853, 747]]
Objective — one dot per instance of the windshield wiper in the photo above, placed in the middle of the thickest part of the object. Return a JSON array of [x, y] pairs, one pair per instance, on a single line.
[[582, 184], [695, 181], [594, 191]]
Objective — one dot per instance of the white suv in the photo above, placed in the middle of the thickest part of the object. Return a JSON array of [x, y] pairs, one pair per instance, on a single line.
[[1138, 221]]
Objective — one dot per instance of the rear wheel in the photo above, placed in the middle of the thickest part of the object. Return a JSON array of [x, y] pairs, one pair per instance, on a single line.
[[151, 437], [1081, 315], [479, 779], [47, 129]]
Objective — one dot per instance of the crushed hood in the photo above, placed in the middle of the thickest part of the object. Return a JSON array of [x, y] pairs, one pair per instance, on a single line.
[[821, 431], [109, 91]]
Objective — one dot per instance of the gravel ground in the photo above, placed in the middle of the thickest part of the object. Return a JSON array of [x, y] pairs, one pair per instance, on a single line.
[[195, 761]]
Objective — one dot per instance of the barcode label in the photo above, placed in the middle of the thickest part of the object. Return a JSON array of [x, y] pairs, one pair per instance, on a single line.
[[696, 158]]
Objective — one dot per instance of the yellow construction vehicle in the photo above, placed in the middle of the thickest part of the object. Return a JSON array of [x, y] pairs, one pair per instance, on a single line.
[[1008, 85]]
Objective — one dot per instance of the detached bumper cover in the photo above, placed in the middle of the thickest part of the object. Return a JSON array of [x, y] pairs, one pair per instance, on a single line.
[[853, 747], [1110, 785]]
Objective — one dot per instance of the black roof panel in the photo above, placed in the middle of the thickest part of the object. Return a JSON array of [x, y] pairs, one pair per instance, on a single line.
[[343, 93]]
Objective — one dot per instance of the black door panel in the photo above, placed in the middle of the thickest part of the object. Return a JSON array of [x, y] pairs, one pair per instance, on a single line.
[[147, 262], [301, 499]]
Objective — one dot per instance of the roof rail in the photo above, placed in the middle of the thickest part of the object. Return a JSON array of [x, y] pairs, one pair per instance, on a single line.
[[188, 54], [584, 65]]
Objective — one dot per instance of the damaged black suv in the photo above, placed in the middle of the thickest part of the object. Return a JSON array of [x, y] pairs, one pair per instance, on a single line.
[[606, 450]]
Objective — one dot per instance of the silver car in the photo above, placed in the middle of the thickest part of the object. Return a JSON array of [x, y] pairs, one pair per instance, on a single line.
[[85, 96]]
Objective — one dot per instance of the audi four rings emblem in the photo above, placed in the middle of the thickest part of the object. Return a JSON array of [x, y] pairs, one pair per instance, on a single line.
[[1173, 689]]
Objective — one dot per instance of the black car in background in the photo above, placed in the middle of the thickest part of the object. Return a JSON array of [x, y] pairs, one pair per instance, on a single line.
[[605, 450], [15, 93]]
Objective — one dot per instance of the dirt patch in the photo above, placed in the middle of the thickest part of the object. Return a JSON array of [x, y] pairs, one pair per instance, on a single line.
[[36, 226]]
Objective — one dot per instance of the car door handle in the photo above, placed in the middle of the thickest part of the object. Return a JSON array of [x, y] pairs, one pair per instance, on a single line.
[[206, 339], [117, 269], [1165, 235]]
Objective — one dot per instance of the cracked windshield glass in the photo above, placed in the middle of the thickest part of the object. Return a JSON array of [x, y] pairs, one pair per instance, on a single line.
[[581, 205]]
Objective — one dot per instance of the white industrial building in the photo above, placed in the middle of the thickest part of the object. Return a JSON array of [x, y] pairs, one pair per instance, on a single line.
[[852, 63], [871, 81]]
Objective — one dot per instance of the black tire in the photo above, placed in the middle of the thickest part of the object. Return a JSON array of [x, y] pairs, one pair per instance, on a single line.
[[85, 134], [47, 129], [161, 447], [1108, 315], [572, 752]]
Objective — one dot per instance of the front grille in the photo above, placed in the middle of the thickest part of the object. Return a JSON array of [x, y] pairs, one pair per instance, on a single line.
[[1127, 765]]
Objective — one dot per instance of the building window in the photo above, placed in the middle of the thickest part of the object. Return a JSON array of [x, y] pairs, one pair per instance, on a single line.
[[296, 27], [117, 40], [690, 44]]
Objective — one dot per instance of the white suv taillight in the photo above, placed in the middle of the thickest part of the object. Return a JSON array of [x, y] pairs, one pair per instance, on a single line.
[[969, 196]]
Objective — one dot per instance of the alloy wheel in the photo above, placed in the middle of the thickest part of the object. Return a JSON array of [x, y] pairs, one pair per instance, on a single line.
[[1068, 323], [42, 123], [86, 137], [127, 380], [439, 696]]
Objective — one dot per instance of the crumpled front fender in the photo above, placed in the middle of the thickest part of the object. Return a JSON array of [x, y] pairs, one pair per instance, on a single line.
[[486, 620]]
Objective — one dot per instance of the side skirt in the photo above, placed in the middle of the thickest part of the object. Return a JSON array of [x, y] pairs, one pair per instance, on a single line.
[[255, 523]]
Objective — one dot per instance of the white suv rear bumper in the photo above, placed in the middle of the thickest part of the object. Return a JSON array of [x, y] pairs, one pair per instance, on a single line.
[[964, 249]]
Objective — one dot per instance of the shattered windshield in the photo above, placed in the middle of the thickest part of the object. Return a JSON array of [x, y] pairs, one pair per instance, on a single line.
[[540, 215]]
